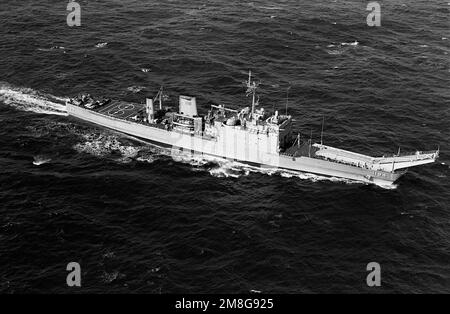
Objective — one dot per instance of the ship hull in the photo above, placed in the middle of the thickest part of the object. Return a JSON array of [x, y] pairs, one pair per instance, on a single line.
[[240, 150]]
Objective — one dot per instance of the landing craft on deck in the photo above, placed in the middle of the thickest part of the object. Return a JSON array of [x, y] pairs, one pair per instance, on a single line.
[[250, 135]]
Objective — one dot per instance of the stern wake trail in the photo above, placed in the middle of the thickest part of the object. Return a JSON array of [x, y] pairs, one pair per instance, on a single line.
[[27, 99]]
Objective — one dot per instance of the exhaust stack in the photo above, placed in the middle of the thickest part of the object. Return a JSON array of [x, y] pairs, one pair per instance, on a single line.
[[188, 106]]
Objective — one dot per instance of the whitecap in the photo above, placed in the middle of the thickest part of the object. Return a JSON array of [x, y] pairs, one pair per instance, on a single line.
[[355, 43], [110, 277], [40, 160], [52, 48], [270, 8], [223, 172], [335, 52], [135, 89], [109, 255], [101, 45]]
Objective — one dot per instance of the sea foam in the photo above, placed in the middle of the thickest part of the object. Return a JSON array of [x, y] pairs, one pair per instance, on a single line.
[[27, 99]]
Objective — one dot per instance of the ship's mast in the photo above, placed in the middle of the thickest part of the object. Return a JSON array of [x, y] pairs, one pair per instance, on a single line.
[[159, 97], [251, 88]]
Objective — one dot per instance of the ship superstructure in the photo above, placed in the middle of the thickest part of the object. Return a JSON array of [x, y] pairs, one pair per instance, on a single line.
[[250, 135]]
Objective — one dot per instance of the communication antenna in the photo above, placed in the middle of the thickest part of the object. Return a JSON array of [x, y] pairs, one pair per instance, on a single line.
[[287, 98], [310, 143], [321, 135], [393, 164]]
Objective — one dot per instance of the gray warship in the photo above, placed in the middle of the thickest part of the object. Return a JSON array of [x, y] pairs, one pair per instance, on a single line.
[[250, 135]]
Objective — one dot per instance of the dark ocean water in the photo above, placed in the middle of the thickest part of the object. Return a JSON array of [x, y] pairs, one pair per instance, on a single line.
[[138, 219]]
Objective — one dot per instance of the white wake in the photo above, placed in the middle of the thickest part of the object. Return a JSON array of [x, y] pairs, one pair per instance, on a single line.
[[27, 99]]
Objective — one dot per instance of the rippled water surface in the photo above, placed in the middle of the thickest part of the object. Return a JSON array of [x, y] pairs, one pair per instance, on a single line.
[[142, 219]]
